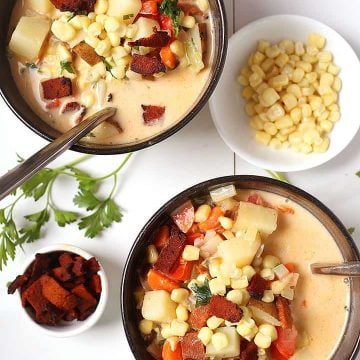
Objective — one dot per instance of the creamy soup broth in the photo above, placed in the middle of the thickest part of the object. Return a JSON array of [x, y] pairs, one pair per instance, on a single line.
[[177, 90]]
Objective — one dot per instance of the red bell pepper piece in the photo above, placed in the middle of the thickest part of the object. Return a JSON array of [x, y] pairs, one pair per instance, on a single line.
[[183, 271]]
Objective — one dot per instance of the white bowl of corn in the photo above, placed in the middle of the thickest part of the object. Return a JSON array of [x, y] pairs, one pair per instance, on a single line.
[[287, 100]]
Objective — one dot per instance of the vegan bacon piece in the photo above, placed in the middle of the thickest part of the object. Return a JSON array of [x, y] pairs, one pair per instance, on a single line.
[[250, 352], [152, 113], [95, 284], [56, 88], [172, 251], [71, 106], [78, 268], [192, 348], [225, 309], [199, 316], [146, 64], [87, 53], [257, 287], [17, 283], [86, 300], [66, 260], [157, 40], [61, 274], [74, 5], [284, 312], [92, 266]]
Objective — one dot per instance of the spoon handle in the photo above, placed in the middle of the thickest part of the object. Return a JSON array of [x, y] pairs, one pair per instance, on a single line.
[[345, 269], [18, 175]]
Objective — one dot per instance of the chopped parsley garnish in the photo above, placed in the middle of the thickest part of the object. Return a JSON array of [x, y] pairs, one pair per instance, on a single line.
[[128, 16], [67, 66], [351, 230], [202, 293], [170, 9], [31, 66], [108, 67]]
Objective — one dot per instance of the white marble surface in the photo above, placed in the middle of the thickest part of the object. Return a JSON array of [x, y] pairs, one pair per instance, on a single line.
[[194, 154]]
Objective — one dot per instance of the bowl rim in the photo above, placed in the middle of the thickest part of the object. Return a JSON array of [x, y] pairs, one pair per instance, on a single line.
[[258, 161], [215, 182], [99, 149], [93, 318]]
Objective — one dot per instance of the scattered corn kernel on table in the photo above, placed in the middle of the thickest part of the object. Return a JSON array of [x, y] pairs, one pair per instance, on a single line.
[[152, 175]]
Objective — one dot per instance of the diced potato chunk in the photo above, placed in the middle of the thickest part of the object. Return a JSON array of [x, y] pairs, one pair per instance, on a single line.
[[42, 7], [157, 306], [256, 217], [124, 10], [145, 27], [240, 251], [29, 36], [233, 347]]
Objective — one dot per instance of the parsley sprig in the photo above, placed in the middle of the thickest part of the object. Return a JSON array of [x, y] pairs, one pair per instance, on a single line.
[[67, 66], [170, 9], [100, 213], [202, 293]]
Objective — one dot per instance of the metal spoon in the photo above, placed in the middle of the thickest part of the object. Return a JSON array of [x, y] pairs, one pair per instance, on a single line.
[[351, 268], [18, 175]]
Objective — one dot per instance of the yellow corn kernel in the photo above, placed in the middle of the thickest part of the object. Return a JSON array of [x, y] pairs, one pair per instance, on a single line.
[[298, 75], [246, 72], [235, 296], [101, 19], [262, 341], [288, 71], [178, 327], [87, 98], [269, 97], [295, 115], [272, 51], [326, 125], [146, 326], [112, 24], [323, 147], [179, 295], [279, 81], [329, 99], [256, 123], [247, 92], [63, 52], [131, 31], [202, 213], [101, 6], [275, 144], [103, 48], [311, 77], [281, 137], [114, 38], [268, 296], [270, 261], [299, 48], [214, 322], [91, 16], [177, 47], [277, 286], [270, 128], [315, 102], [92, 41], [287, 45], [284, 122], [258, 70], [290, 101], [311, 59], [312, 50], [263, 45], [152, 254], [326, 79], [246, 327], [304, 65], [63, 30], [191, 253], [302, 100], [263, 117], [323, 116], [295, 90], [275, 112], [182, 313], [94, 29], [78, 23], [205, 334], [282, 60], [306, 110], [255, 80], [311, 137], [259, 108], [334, 116], [333, 69], [267, 64], [262, 137], [270, 330], [316, 40], [274, 71], [220, 341], [258, 58], [337, 84], [166, 331], [226, 222], [249, 108], [242, 80], [305, 148], [325, 56], [188, 22], [240, 283], [217, 286], [308, 91], [261, 88], [288, 130]]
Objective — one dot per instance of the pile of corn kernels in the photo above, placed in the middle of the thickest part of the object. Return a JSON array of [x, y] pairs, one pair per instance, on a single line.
[[291, 91]]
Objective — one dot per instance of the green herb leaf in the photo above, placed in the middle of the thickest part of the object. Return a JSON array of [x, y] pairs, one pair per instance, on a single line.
[[351, 230], [107, 213], [36, 186], [7, 249], [278, 176], [86, 182], [2, 216], [71, 17], [31, 66], [67, 66], [170, 9], [63, 217], [86, 199], [128, 16], [202, 293], [20, 159], [108, 67], [31, 232]]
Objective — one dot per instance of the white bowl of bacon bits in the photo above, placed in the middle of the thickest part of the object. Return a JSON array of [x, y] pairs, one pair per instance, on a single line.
[[63, 290]]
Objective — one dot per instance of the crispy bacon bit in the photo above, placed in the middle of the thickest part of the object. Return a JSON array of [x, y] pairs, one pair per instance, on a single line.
[[157, 40], [71, 106], [225, 309], [74, 5], [192, 348], [53, 104], [257, 287], [250, 352], [172, 251], [95, 283], [87, 53], [57, 88], [199, 316], [86, 300], [66, 260], [268, 308], [61, 274], [146, 64], [152, 113], [17, 283], [81, 115], [284, 312], [92, 266]]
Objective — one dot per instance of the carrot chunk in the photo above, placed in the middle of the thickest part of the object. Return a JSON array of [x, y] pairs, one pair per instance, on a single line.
[[213, 220], [284, 312], [158, 281], [168, 58], [169, 354]]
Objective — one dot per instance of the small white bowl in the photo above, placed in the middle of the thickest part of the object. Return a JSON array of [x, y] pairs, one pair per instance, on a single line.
[[69, 328], [227, 105]]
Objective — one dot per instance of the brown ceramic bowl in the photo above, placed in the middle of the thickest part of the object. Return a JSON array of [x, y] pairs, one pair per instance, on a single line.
[[349, 345], [23, 111]]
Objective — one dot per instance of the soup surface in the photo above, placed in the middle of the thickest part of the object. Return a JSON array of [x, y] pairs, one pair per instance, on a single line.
[[114, 80], [237, 268]]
